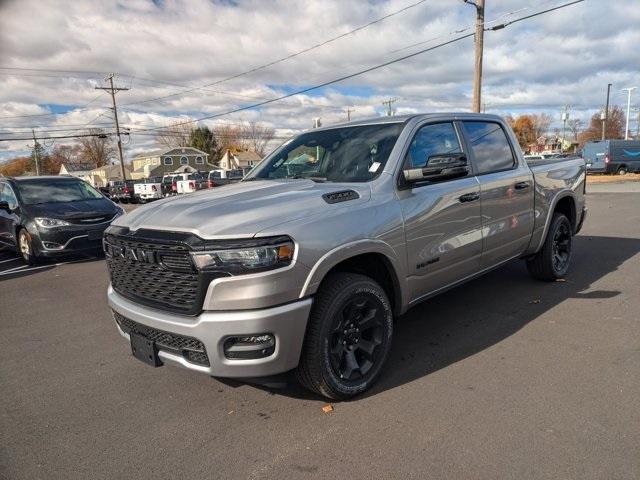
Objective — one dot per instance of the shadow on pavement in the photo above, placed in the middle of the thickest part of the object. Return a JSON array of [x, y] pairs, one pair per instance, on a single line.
[[485, 311]]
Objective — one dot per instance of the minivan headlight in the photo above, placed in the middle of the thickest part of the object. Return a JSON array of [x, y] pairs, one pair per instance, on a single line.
[[50, 222], [261, 254]]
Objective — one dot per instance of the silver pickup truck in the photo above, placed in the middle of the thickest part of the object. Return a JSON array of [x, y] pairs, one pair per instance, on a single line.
[[305, 263]]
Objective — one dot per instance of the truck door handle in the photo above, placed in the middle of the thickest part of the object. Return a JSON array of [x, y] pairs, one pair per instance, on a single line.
[[521, 185], [469, 197]]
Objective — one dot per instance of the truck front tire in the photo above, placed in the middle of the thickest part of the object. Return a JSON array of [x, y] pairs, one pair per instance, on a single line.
[[348, 337], [552, 261]]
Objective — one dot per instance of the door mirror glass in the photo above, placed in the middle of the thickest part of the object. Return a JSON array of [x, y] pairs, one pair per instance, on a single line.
[[439, 167]]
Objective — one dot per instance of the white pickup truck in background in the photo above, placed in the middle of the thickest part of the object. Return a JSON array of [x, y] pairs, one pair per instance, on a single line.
[[193, 182], [149, 189]]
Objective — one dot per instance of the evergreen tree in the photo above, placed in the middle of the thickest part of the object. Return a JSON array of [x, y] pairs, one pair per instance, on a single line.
[[203, 139]]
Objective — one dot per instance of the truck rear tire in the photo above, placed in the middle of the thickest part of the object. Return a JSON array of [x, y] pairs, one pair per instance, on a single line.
[[348, 337], [552, 261]]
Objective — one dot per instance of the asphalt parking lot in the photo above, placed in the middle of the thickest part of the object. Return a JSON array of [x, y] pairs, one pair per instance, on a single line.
[[504, 377]]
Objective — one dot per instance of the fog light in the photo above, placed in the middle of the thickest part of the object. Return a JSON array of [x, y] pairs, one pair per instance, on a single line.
[[248, 347], [52, 246]]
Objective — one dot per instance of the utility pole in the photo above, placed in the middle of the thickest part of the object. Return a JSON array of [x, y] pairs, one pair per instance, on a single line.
[[626, 128], [606, 113], [479, 39], [35, 152], [112, 90], [388, 104], [349, 110]]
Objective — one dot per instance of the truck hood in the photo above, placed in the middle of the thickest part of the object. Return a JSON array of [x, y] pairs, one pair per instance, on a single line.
[[241, 209]]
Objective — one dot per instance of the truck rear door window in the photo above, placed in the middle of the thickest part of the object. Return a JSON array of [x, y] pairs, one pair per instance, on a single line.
[[491, 149]]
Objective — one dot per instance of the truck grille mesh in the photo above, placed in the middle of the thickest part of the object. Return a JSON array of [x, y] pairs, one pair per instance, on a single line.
[[166, 279], [190, 348]]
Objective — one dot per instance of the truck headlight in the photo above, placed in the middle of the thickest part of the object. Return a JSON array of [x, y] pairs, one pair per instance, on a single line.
[[50, 222], [255, 255]]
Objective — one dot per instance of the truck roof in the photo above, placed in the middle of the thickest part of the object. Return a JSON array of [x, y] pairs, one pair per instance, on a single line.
[[413, 116]]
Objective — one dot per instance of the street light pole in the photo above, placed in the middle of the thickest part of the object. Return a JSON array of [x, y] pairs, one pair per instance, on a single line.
[[606, 113], [565, 117], [626, 128]]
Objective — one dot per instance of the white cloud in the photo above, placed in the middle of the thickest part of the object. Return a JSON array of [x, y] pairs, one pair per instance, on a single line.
[[564, 57]]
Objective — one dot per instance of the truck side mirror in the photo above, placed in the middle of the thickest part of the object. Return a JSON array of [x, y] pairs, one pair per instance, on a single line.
[[439, 167], [5, 206]]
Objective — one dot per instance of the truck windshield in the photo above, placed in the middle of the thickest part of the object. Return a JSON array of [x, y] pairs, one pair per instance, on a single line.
[[347, 154], [38, 191]]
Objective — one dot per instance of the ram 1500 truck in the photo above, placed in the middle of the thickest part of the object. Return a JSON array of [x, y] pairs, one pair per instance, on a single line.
[[305, 263]]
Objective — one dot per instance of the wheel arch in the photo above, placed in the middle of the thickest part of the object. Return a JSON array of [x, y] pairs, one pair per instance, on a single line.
[[373, 258], [564, 202]]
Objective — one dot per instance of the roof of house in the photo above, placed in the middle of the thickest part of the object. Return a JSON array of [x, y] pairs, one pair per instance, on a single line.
[[247, 155], [152, 153], [110, 168], [171, 151], [78, 166]]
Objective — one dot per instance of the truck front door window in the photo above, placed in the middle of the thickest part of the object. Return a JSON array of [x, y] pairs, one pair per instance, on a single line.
[[433, 139]]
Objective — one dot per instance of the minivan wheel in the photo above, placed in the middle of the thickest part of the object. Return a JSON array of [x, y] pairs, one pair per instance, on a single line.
[[552, 261], [348, 337], [25, 247]]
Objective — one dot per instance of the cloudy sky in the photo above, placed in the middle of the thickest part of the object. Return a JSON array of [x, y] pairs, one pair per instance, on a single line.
[[177, 57]]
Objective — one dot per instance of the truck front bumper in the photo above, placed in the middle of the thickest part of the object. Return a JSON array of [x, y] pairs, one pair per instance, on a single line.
[[287, 323]]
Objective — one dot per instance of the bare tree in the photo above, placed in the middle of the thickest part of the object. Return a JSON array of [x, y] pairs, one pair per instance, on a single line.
[[229, 137], [66, 153], [256, 136], [175, 135], [575, 125], [97, 149], [541, 123]]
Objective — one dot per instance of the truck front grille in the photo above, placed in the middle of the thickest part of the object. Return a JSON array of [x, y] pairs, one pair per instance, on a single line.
[[159, 274], [190, 348]]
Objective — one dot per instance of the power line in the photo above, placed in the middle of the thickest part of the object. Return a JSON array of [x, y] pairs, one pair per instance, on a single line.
[[324, 84], [268, 101], [503, 25], [293, 55], [361, 72], [102, 135]]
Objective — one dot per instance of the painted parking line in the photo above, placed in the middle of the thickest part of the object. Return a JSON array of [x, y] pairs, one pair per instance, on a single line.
[[10, 260], [26, 268], [14, 269]]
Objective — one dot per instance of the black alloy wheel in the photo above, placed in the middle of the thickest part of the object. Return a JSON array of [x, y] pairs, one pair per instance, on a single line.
[[552, 261], [356, 337], [561, 248], [348, 336]]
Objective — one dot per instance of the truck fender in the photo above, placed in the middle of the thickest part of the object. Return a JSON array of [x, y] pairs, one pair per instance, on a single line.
[[547, 223], [343, 252]]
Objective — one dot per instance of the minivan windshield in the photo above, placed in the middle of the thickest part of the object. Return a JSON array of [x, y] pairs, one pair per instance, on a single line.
[[39, 191], [344, 154]]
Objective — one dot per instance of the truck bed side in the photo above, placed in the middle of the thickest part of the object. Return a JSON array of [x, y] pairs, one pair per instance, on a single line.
[[556, 180]]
